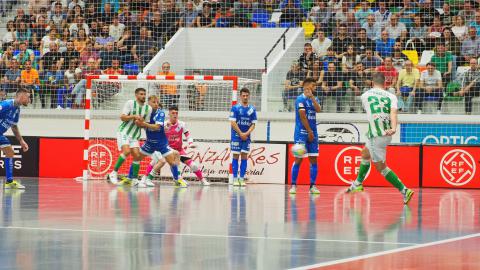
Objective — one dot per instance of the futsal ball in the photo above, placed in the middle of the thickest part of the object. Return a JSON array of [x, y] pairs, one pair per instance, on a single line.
[[298, 150]]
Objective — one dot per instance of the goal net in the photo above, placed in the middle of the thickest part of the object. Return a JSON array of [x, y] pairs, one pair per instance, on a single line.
[[205, 99]]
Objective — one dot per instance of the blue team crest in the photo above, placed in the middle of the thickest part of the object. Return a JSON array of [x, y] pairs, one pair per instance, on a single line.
[[250, 111]]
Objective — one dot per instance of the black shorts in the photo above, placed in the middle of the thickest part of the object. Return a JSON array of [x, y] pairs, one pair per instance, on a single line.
[[184, 159]]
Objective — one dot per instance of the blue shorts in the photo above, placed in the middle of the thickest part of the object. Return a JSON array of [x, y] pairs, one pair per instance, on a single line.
[[148, 148], [312, 147], [238, 146], [4, 141]]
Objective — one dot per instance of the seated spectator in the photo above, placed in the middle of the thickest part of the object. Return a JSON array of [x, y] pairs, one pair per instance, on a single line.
[[116, 29], [75, 3], [70, 55], [468, 12], [77, 25], [107, 14], [321, 44], [398, 59], [291, 13], [80, 42], [418, 31], [372, 28], [29, 78], [394, 28], [359, 82], [79, 90], [384, 46], [53, 87], [349, 59], [382, 15], [430, 86], [390, 74], [320, 14], [168, 93], [206, 19], [408, 80], [58, 15], [370, 61], [476, 23], [72, 76], [436, 29], [428, 12], [332, 85], [106, 90], [46, 40], [11, 79], [171, 19], [62, 42], [307, 58], [362, 43], [293, 84], [125, 45], [157, 27], [189, 15], [142, 43], [107, 55], [10, 36], [104, 38], [7, 56], [447, 16], [340, 16], [196, 95], [24, 34], [147, 57], [352, 25], [51, 58], [39, 30], [89, 53], [459, 29], [341, 42], [25, 54], [471, 45], [407, 11], [443, 62], [363, 12], [451, 42], [327, 59], [470, 85]]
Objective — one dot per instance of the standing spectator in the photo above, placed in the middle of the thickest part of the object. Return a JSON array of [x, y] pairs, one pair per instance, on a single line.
[[168, 93], [363, 12], [11, 79], [382, 15], [468, 12], [470, 46], [384, 46], [108, 55], [142, 44], [363, 43], [293, 84], [321, 44], [46, 40], [116, 29], [408, 80], [332, 85], [370, 61], [349, 59], [459, 28], [206, 18], [341, 42], [10, 36], [395, 28], [29, 78], [372, 28], [470, 85], [430, 86], [443, 62], [451, 42], [359, 82], [104, 38], [390, 74]]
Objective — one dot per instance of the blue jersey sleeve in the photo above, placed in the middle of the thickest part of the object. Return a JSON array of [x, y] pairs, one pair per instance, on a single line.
[[6, 105], [233, 114], [300, 103], [253, 116]]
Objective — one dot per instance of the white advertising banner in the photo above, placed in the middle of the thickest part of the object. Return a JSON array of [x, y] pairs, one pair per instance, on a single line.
[[266, 162]]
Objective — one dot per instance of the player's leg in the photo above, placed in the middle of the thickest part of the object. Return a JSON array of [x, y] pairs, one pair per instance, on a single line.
[[172, 158], [153, 168], [295, 170], [9, 153], [244, 163], [379, 153], [137, 158], [312, 149], [235, 148], [124, 146], [195, 168], [357, 185]]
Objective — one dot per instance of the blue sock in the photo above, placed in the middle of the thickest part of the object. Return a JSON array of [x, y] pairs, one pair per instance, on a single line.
[[130, 172], [9, 169], [313, 174], [175, 173], [243, 168], [295, 170], [235, 168]]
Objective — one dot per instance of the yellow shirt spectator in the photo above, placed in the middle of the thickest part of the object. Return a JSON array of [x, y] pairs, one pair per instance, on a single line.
[[408, 78]]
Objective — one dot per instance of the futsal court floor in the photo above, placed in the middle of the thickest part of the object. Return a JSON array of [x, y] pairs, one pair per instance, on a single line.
[[65, 224]]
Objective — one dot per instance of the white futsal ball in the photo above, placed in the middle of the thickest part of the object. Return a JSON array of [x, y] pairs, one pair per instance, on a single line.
[[298, 150]]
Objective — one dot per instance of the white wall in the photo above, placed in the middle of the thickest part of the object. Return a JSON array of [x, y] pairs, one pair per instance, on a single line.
[[174, 53]]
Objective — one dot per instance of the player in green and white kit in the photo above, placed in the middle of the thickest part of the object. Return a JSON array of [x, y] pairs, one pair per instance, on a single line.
[[129, 133], [381, 108]]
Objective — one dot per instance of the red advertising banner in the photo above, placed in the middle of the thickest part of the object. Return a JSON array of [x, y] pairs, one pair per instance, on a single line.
[[451, 166], [339, 165]]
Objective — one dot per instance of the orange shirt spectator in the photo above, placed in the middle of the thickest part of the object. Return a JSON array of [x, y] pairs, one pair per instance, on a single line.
[[29, 75], [167, 89]]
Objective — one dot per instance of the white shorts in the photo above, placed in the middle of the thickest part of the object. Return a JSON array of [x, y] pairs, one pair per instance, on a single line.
[[156, 156], [377, 147], [123, 139]]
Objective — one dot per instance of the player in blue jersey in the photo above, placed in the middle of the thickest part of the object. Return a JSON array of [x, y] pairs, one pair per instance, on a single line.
[[306, 108], [243, 118], [156, 141], [9, 116]]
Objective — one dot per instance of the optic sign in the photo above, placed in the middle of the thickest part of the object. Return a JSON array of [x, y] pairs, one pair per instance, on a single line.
[[440, 133], [100, 159], [347, 164], [457, 167]]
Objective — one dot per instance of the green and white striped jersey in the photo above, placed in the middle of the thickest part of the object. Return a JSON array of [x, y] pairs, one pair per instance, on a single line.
[[378, 103], [132, 107]]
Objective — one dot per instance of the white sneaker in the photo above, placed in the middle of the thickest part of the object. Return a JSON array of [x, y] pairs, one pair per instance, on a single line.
[[147, 181], [419, 111], [113, 177], [138, 184], [59, 107], [205, 182]]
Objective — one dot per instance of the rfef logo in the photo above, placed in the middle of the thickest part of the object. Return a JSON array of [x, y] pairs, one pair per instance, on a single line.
[[100, 159], [347, 164], [457, 167]]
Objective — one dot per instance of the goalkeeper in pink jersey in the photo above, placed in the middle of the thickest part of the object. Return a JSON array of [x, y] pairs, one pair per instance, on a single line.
[[175, 130]]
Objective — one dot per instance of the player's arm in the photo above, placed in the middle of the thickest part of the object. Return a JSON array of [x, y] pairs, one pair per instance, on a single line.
[[233, 121], [144, 124], [394, 121], [304, 120], [126, 113], [316, 105], [19, 137]]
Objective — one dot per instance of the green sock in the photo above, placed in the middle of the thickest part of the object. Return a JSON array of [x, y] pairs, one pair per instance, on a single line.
[[362, 172], [393, 179], [150, 176], [119, 163], [135, 169]]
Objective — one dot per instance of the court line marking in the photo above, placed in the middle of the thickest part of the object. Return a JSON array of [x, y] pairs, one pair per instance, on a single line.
[[386, 252], [204, 235]]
